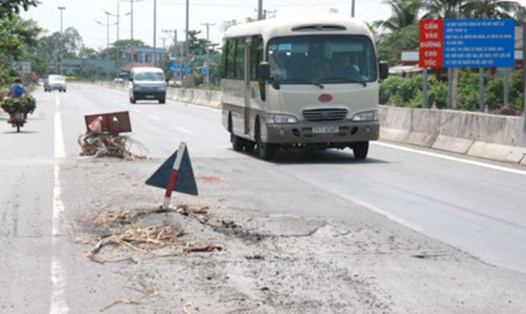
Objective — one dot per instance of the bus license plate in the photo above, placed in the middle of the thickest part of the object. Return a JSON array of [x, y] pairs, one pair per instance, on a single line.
[[325, 129]]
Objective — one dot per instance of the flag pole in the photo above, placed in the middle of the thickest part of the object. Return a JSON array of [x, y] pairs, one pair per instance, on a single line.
[[173, 176]]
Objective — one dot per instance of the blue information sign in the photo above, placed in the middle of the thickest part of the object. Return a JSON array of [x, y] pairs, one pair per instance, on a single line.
[[474, 43]]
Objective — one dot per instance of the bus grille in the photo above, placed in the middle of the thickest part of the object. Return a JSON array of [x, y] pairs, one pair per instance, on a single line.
[[324, 114]]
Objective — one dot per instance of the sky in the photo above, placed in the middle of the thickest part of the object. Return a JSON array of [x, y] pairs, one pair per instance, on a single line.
[[88, 17]]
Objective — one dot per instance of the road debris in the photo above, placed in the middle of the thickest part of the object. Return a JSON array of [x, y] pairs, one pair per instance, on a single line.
[[143, 240], [108, 145], [208, 248], [128, 234], [145, 294]]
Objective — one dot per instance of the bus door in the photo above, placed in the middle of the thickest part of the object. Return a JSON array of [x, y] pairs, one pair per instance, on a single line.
[[246, 85]]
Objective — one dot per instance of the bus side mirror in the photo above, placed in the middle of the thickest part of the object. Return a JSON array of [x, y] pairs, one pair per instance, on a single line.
[[384, 69], [264, 71]]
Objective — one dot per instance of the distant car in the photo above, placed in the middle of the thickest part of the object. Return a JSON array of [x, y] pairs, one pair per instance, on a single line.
[[118, 80], [55, 82]]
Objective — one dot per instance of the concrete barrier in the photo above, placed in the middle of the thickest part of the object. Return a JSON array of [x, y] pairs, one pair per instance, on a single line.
[[476, 134], [489, 136]]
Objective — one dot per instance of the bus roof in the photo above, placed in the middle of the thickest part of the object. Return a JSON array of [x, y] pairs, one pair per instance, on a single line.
[[300, 25]]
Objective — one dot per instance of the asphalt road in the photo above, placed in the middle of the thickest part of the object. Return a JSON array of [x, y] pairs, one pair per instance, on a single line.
[[475, 206]]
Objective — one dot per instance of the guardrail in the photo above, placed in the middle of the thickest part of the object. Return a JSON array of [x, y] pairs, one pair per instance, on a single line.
[[488, 136]]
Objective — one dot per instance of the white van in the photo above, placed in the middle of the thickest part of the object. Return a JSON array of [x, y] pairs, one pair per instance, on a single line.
[[147, 83]]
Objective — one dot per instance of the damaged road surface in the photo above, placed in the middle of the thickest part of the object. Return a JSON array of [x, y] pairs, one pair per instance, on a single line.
[[309, 233], [252, 259]]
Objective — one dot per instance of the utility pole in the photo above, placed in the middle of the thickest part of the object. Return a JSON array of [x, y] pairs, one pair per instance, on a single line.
[[260, 10], [59, 68], [154, 32], [352, 8], [207, 62], [131, 30], [186, 45]]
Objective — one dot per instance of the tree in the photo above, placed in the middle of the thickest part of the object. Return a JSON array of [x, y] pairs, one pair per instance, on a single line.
[[15, 34], [391, 45], [12, 7], [490, 8], [67, 45], [405, 13], [443, 9]]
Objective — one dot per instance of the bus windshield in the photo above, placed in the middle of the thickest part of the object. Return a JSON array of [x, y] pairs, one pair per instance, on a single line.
[[317, 59]]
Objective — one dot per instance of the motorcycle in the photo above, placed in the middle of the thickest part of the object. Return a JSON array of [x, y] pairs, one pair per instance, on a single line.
[[18, 119], [18, 108]]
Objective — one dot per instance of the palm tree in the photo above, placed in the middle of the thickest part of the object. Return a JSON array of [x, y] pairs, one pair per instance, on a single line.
[[405, 13], [490, 8], [443, 9]]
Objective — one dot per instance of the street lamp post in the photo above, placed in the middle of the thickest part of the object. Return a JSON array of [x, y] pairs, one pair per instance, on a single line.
[[352, 8], [107, 24], [59, 68], [154, 33], [118, 16]]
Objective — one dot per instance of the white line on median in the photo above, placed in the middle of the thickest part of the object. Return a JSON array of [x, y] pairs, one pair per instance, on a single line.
[[179, 128], [58, 275], [451, 158]]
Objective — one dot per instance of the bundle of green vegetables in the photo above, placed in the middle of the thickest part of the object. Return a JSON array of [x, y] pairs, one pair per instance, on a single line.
[[26, 103]]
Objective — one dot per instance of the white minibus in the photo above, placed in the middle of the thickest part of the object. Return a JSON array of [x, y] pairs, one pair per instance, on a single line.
[[308, 82]]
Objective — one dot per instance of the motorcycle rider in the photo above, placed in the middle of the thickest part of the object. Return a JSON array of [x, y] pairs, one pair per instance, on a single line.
[[17, 90]]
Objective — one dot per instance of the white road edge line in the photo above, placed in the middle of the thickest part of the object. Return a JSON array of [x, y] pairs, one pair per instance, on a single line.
[[58, 275], [451, 158]]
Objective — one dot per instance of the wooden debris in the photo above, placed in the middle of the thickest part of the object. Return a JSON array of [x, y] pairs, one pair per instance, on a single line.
[[107, 145]]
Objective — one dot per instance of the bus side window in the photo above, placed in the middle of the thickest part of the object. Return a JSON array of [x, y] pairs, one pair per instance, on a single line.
[[229, 54], [240, 59], [256, 56]]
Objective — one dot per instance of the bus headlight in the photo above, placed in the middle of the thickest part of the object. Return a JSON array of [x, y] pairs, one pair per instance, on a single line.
[[279, 118], [366, 116]]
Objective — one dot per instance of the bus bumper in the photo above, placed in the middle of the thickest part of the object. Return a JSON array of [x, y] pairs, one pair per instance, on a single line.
[[328, 134]]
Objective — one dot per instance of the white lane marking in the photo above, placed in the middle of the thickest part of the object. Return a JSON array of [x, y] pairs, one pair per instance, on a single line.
[[58, 274], [451, 158], [60, 151], [154, 117], [179, 128]]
